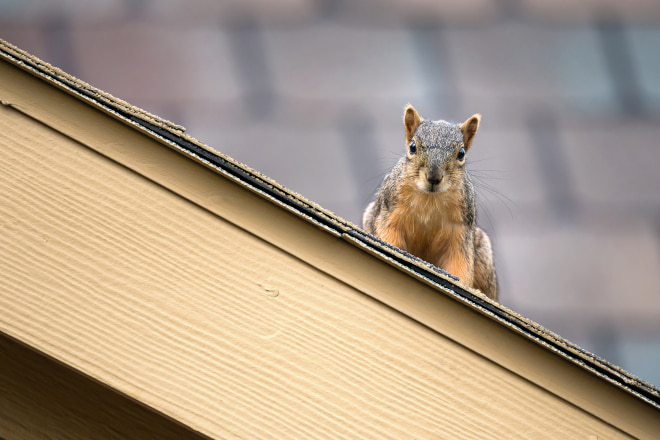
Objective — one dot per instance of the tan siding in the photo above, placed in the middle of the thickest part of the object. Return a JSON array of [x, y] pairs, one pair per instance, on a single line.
[[206, 322]]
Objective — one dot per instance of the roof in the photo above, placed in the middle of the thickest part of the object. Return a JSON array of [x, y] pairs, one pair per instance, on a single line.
[[175, 137]]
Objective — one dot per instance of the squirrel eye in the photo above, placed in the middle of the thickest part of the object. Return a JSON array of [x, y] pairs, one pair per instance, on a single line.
[[461, 154], [413, 147]]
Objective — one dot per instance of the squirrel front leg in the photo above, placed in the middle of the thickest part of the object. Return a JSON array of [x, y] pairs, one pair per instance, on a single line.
[[393, 236], [459, 261], [457, 265]]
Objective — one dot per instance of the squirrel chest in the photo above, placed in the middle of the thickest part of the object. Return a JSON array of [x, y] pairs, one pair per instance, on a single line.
[[429, 226]]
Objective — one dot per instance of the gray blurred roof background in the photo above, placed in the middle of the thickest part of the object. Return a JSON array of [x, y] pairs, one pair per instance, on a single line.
[[311, 93]]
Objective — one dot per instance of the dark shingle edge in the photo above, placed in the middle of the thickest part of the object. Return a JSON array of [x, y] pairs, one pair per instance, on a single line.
[[174, 136]]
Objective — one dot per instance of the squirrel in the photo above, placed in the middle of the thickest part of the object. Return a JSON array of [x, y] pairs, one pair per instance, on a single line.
[[426, 207]]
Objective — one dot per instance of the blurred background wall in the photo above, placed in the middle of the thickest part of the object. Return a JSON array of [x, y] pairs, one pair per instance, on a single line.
[[311, 93]]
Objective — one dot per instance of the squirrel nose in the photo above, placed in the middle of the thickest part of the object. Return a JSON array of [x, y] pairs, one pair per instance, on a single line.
[[434, 178]]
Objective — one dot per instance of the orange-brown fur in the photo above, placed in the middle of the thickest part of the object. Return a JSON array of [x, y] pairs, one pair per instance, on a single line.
[[437, 236]]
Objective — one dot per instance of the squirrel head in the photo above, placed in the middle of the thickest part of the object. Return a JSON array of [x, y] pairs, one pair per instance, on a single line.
[[436, 150]]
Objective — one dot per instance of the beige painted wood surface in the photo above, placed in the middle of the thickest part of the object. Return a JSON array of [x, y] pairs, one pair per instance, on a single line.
[[179, 308]]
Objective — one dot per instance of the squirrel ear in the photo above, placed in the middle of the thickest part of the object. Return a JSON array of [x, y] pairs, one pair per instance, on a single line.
[[411, 120], [469, 129]]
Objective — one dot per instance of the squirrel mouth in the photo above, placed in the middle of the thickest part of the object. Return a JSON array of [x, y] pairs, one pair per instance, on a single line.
[[432, 186], [438, 188]]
